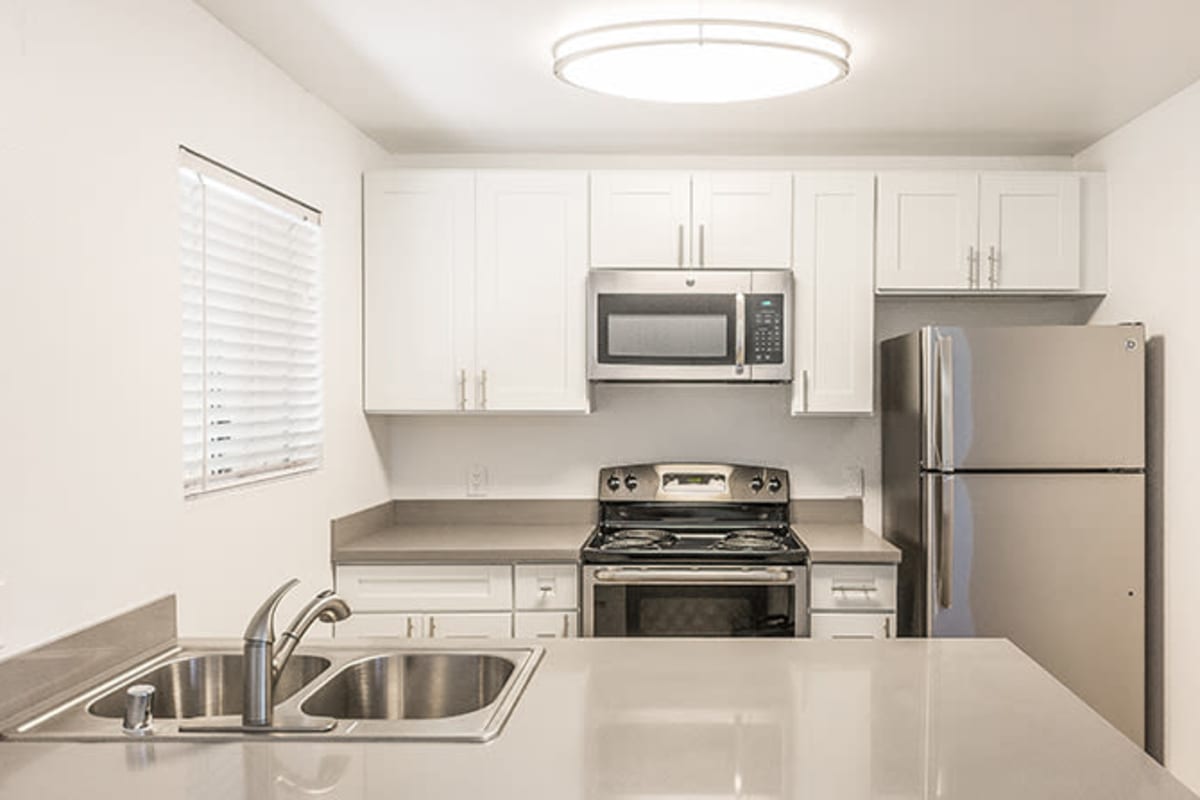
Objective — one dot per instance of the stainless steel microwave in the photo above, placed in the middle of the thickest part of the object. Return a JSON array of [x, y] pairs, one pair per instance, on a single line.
[[685, 325]]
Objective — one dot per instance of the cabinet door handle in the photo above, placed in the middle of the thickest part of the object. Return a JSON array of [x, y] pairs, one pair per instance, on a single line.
[[462, 390], [853, 636], [993, 266], [702, 244], [972, 268], [887, 627], [432, 627], [483, 389], [409, 628], [739, 335], [679, 247], [804, 387], [566, 626]]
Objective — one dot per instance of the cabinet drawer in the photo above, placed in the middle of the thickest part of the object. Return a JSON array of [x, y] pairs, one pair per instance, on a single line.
[[546, 625], [852, 587], [546, 586], [391, 626], [426, 588], [853, 626], [469, 626]]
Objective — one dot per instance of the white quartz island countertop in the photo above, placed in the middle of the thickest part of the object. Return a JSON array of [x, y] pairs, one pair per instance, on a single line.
[[640, 718]]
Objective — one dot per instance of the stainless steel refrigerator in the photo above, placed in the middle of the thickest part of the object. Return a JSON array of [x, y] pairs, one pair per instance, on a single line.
[[1013, 483]]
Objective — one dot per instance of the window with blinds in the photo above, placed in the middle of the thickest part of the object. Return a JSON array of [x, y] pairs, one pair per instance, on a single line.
[[251, 329]]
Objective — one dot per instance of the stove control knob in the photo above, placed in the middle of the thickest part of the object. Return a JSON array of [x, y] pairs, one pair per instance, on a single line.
[[756, 483], [630, 482], [774, 484], [614, 482]]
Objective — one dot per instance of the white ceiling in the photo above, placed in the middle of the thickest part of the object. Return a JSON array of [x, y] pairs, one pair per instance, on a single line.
[[928, 76]]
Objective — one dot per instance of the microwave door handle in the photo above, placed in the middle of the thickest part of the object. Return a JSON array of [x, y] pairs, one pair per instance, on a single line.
[[739, 358]]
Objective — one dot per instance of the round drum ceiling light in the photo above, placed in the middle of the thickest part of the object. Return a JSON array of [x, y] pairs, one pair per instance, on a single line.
[[701, 60]]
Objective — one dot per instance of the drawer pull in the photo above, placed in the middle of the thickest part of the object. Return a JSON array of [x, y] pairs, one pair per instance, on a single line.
[[853, 636], [865, 588]]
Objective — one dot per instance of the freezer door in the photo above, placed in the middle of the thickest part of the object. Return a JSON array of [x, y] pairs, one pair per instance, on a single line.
[[1055, 563], [1061, 397]]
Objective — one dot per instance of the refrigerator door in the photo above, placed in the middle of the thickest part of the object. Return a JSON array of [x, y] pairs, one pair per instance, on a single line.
[[1061, 397], [1053, 562]]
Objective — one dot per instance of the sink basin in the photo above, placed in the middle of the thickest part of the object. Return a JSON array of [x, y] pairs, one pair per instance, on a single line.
[[422, 692], [207, 686], [412, 686]]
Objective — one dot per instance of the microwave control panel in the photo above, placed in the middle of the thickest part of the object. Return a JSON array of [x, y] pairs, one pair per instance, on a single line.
[[764, 328]]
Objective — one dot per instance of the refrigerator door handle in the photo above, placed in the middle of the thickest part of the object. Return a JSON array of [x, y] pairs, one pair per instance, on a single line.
[[945, 542], [932, 379], [945, 427], [932, 548]]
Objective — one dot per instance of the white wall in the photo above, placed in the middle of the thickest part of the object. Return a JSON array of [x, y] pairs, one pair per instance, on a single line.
[[96, 99], [1153, 167], [542, 456]]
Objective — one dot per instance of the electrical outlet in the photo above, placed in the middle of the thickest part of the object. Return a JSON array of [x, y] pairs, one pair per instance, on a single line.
[[477, 481]]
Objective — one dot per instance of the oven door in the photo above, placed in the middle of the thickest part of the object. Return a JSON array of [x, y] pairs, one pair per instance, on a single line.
[[687, 326], [690, 600]]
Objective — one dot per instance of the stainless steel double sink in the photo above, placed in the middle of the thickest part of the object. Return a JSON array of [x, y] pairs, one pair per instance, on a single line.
[[418, 694]]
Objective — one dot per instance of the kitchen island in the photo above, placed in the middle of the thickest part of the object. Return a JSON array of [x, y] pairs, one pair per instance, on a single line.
[[759, 718]]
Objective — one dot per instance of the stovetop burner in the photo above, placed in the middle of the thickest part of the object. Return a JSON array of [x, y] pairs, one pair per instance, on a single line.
[[639, 539], [751, 540]]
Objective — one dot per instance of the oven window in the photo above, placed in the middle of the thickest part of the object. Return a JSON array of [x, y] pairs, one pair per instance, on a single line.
[[666, 329], [671, 610]]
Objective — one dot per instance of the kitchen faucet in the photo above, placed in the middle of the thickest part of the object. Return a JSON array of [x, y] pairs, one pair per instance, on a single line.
[[263, 663]]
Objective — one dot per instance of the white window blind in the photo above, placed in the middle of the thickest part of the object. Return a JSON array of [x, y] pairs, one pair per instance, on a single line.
[[251, 330]]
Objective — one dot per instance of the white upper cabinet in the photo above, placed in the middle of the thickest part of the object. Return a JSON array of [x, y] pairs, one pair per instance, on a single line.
[[928, 231], [475, 291], [742, 220], [834, 293], [419, 251], [1029, 231], [657, 219], [966, 232], [641, 218], [531, 301]]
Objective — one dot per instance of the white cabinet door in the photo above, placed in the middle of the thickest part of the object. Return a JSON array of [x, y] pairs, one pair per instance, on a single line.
[[834, 293], [1029, 231], [545, 586], [419, 252], [546, 624], [397, 587], [742, 219], [531, 293], [640, 218], [853, 626], [381, 626], [928, 231], [469, 626]]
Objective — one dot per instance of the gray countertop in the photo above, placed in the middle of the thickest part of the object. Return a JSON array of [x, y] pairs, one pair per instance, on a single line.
[[467, 542], [845, 543], [610, 718], [460, 531]]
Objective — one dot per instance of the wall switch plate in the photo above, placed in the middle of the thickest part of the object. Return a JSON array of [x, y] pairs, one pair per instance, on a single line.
[[477, 481]]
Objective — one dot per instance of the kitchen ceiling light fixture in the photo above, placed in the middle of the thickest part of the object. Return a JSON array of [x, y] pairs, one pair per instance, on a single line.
[[701, 60]]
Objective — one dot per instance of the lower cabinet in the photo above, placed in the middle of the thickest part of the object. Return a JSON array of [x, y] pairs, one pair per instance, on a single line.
[[459, 601], [852, 601], [852, 626], [546, 624]]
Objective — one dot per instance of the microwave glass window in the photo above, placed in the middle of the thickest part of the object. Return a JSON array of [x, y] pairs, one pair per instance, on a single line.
[[668, 335]]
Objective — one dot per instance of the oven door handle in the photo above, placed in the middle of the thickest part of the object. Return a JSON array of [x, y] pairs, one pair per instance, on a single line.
[[685, 575]]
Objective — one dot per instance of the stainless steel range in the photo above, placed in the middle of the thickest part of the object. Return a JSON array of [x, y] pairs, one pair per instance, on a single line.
[[694, 550]]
